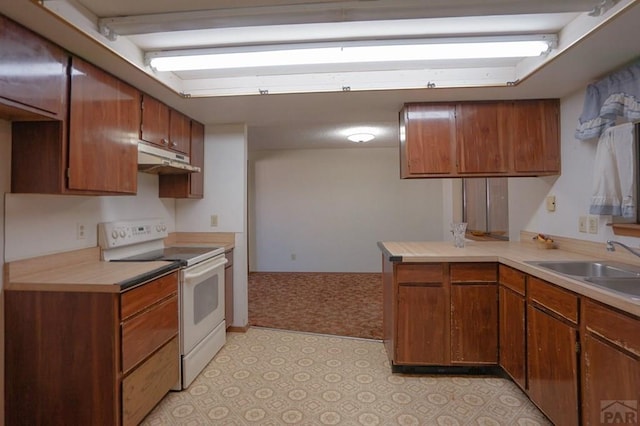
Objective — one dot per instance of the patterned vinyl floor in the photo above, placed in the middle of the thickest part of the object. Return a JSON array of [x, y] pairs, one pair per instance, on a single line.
[[274, 377]]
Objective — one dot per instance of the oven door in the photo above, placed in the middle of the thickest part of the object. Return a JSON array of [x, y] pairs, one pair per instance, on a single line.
[[202, 294]]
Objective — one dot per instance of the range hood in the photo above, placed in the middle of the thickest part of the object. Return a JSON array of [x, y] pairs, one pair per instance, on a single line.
[[160, 161]]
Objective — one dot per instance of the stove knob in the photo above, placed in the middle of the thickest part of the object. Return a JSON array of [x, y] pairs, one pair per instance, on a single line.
[[164, 227], [123, 233], [114, 234], [158, 228]]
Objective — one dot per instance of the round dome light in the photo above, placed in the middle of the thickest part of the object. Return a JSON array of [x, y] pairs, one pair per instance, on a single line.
[[361, 137]]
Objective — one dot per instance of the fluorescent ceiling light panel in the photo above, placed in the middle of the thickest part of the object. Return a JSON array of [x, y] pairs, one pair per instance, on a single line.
[[345, 54]]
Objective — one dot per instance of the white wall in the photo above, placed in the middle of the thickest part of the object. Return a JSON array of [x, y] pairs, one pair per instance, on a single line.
[[329, 207], [43, 224], [225, 190], [572, 189]]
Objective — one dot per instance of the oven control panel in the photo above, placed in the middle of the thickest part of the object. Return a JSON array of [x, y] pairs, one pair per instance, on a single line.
[[124, 233]]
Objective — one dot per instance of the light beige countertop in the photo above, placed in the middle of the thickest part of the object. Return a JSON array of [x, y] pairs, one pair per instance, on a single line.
[[514, 254], [207, 239], [79, 271]]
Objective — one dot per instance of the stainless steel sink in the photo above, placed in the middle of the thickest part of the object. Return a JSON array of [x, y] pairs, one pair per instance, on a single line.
[[589, 268], [627, 286], [623, 279]]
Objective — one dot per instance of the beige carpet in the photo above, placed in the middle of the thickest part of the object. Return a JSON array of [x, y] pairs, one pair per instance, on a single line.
[[343, 304], [273, 377]]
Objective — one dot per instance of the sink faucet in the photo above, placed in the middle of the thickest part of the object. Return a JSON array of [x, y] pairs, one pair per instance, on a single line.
[[610, 247]]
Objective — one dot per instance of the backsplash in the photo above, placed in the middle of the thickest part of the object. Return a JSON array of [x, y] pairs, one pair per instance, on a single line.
[[36, 225]]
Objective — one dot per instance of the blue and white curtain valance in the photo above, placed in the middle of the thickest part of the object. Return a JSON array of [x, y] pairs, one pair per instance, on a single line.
[[617, 95]]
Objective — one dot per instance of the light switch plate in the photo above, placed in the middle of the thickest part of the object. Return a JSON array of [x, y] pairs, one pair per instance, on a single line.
[[593, 224], [551, 203], [582, 224], [214, 220]]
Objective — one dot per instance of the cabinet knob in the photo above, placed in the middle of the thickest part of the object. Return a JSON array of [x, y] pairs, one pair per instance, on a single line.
[[165, 141], [174, 144]]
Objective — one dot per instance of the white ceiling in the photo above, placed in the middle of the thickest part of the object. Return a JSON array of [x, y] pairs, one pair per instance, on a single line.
[[590, 46]]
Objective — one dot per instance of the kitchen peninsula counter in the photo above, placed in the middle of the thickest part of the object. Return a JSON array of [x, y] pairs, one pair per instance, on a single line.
[[515, 255]]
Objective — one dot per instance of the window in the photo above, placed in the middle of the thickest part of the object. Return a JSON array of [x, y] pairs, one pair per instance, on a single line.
[[485, 207]]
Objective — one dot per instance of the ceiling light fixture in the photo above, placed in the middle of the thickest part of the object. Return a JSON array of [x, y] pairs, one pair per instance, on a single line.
[[351, 53], [361, 137]]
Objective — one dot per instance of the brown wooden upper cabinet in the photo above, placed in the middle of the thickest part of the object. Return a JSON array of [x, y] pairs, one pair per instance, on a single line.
[[482, 137], [426, 135], [164, 126], [93, 152], [535, 136], [187, 185], [468, 139], [25, 95]]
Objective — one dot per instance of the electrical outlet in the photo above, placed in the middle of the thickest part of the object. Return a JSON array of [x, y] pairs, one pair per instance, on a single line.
[[214, 220], [81, 231], [593, 224], [582, 224]]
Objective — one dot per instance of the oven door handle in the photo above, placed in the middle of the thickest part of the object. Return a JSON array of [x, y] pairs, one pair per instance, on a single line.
[[204, 268]]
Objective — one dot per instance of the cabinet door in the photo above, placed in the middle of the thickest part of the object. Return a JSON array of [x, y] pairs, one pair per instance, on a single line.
[[422, 328], [611, 384], [103, 132], [61, 358], [154, 127], [483, 145], [179, 132], [552, 368], [536, 139], [45, 86], [427, 139], [187, 185], [474, 324], [512, 335]]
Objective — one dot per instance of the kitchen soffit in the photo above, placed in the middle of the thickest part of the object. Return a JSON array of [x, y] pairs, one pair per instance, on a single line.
[[321, 120], [133, 28]]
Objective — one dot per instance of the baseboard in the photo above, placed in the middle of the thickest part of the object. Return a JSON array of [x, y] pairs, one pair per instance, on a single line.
[[449, 370], [235, 329]]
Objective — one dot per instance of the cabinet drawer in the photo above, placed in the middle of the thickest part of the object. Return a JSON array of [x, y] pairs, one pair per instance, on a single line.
[[148, 331], [555, 299], [139, 298], [420, 274], [616, 327], [474, 272], [149, 383], [512, 278]]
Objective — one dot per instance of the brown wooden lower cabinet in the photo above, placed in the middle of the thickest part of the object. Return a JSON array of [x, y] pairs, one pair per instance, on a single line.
[[512, 324], [474, 300], [422, 313], [90, 358], [432, 305], [578, 360], [552, 366], [512, 335], [610, 366]]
